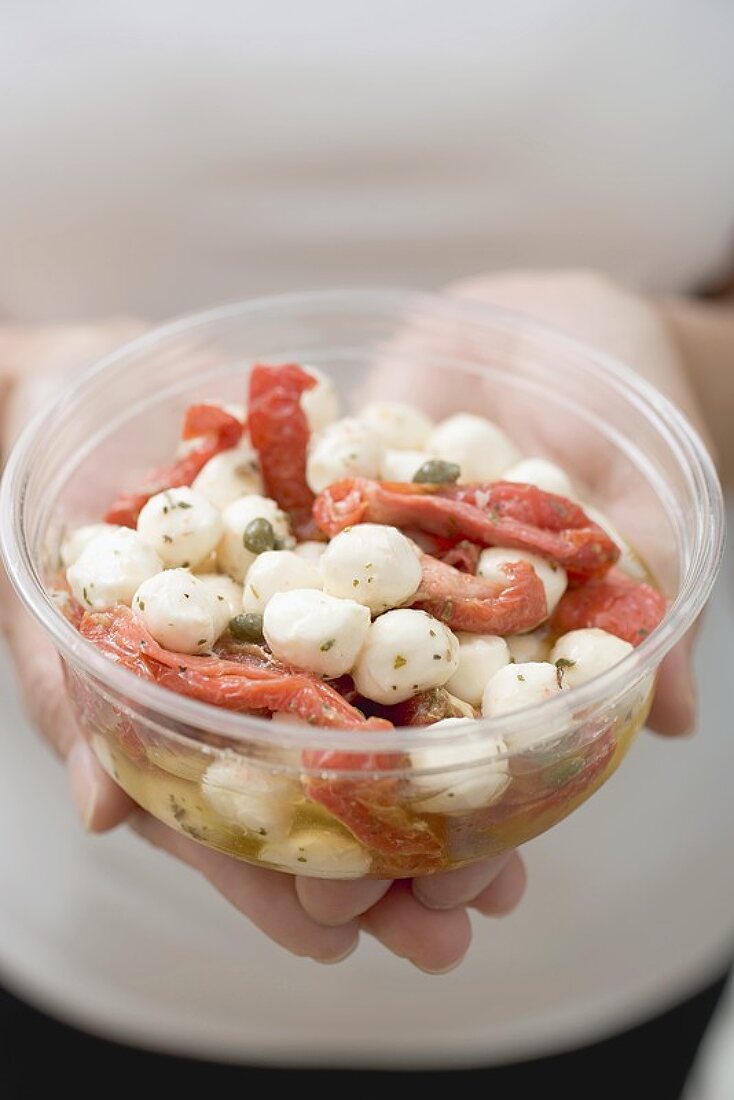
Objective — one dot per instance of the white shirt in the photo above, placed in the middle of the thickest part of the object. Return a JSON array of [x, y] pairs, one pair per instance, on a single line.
[[161, 157]]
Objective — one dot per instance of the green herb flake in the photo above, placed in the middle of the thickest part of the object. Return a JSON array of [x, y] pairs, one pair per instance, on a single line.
[[184, 504], [327, 645], [521, 677], [167, 539], [399, 662], [141, 605]]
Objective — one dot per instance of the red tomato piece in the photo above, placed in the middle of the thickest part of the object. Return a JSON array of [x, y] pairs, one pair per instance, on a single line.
[[279, 432], [478, 605], [615, 603], [248, 684], [517, 516], [463, 555], [371, 809], [219, 431]]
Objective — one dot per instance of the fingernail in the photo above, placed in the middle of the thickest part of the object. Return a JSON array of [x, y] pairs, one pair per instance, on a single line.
[[435, 971], [340, 958], [84, 780]]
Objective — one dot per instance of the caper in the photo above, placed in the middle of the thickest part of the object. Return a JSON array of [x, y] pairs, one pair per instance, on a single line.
[[437, 472], [259, 536], [247, 627]]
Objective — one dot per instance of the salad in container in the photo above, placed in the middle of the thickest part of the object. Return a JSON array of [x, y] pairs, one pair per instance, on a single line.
[[361, 583]]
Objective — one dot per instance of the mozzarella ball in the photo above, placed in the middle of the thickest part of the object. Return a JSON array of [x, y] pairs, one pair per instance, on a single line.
[[479, 447], [347, 448], [310, 550], [405, 652], [534, 646], [628, 562], [514, 687], [233, 556], [542, 473], [180, 612], [277, 571], [552, 575], [480, 655], [228, 595], [78, 540], [584, 654], [398, 425], [320, 404], [111, 569], [372, 564], [401, 465], [459, 788], [181, 525], [229, 475], [315, 852], [252, 797], [315, 631]]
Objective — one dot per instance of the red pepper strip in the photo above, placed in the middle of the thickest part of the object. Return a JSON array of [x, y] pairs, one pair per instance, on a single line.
[[279, 432], [615, 603], [463, 555], [480, 606], [507, 514], [371, 808], [220, 431], [246, 685]]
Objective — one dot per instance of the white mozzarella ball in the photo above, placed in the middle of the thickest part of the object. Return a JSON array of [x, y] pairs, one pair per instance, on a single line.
[[232, 554], [373, 564], [315, 852], [315, 631], [628, 562], [584, 654], [459, 788], [229, 475], [228, 596], [477, 446], [480, 655], [320, 404], [552, 575], [111, 569], [514, 687], [534, 646], [406, 652], [542, 473], [347, 448], [400, 426], [310, 550], [251, 797], [277, 571], [179, 610], [401, 465], [78, 540], [181, 525]]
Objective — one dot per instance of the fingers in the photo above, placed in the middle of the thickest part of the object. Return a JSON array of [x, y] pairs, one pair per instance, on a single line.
[[434, 941], [459, 887], [505, 892], [100, 802], [674, 707], [267, 898], [331, 902]]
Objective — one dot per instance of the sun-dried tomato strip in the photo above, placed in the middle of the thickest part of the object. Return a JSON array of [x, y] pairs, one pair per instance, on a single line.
[[615, 603], [219, 431], [279, 432], [479, 605], [246, 685], [506, 514]]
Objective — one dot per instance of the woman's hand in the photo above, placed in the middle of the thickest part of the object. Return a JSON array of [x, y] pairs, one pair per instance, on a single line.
[[425, 921]]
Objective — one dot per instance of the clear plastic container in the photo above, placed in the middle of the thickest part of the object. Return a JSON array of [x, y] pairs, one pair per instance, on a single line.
[[418, 801]]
